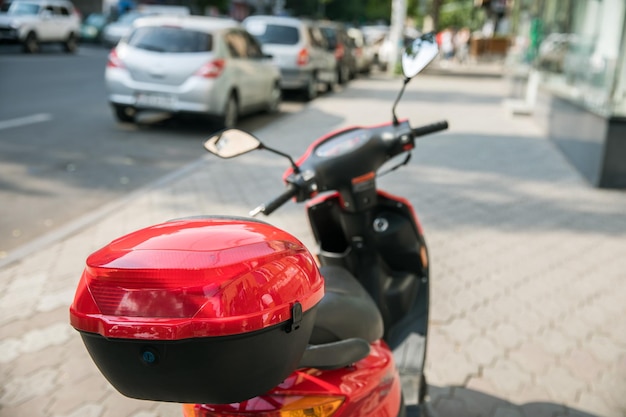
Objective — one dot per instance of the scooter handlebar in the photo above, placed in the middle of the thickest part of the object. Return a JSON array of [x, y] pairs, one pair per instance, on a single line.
[[431, 128], [269, 207]]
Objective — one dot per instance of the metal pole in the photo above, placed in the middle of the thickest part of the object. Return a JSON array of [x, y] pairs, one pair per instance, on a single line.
[[396, 34]]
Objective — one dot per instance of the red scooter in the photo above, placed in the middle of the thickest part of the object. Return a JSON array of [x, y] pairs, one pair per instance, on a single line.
[[235, 317]]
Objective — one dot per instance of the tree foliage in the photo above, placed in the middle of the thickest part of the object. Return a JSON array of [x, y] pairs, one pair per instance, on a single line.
[[458, 13], [445, 13], [352, 11], [221, 5]]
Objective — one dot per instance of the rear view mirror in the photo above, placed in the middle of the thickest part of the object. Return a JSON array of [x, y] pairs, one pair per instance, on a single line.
[[231, 142], [418, 54]]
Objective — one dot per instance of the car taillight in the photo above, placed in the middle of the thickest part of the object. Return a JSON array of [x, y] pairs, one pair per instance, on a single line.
[[212, 69], [114, 60], [339, 51], [303, 57]]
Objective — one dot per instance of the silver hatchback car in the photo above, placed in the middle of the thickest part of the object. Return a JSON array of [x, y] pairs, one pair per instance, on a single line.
[[299, 50], [191, 64]]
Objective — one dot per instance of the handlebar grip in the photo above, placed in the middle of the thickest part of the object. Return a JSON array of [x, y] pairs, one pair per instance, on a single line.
[[268, 208], [431, 128]]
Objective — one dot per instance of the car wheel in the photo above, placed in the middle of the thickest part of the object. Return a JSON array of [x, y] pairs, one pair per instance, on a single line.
[[71, 43], [231, 113], [330, 86], [423, 390], [275, 99], [310, 90], [344, 74], [31, 44], [124, 114]]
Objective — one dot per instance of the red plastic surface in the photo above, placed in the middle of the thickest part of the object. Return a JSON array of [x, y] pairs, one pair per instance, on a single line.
[[371, 388], [195, 278]]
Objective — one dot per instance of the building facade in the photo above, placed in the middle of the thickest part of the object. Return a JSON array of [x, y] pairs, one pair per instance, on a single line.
[[576, 50]]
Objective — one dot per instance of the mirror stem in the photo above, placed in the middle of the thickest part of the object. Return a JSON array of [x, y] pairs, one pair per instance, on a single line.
[[296, 168], [393, 109]]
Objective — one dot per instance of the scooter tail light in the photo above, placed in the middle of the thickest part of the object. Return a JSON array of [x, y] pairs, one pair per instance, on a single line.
[[212, 69], [270, 406], [165, 293], [114, 60], [303, 57]]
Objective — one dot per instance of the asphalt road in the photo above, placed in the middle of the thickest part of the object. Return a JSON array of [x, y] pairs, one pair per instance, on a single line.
[[62, 154]]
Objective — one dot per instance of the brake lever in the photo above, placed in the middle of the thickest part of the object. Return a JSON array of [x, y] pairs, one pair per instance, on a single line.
[[256, 211], [405, 162]]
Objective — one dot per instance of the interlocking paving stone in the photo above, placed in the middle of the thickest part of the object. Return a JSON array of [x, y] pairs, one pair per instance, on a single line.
[[527, 262]]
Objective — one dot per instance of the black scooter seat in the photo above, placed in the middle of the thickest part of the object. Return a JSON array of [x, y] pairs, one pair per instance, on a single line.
[[347, 311]]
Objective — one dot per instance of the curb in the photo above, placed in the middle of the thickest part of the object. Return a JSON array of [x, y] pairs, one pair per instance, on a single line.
[[75, 226]]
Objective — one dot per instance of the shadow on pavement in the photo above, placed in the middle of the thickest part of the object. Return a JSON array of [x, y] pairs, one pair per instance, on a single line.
[[459, 401]]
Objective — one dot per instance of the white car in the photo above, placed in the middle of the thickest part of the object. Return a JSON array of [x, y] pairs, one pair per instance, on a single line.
[[114, 31], [32, 22], [299, 49], [191, 64]]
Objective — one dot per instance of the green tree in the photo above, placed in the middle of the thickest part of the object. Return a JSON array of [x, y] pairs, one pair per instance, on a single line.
[[378, 10], [445, 13], [352, 11], [221, 5], [456, 13], [308, 8]]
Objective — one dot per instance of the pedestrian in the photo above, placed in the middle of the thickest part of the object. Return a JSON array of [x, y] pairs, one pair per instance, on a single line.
[[461, 45], [447, 46]]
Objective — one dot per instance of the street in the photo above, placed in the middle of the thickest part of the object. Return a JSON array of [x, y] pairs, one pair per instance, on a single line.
[[62, 154]]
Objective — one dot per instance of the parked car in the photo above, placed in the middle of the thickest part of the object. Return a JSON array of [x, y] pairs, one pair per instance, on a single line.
[[300, 51], [363, 51], [342, 46], [31, 23], [114, 31], [91, 30], [554, 50], [378, 37], [191, 64]]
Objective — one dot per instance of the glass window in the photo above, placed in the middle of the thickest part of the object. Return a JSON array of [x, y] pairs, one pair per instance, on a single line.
[[619, 97], [170, 40], [274, 34], [331, 36], [577, 48], [19, 8], [96, 19], [237, 44], [317, 39], [254, 49], [129, 18]]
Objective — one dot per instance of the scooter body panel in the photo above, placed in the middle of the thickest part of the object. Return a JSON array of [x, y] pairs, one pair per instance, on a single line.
[[369, 388], [385, 249]]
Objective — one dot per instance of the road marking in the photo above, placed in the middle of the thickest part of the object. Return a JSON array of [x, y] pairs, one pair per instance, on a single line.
[[24, 121]]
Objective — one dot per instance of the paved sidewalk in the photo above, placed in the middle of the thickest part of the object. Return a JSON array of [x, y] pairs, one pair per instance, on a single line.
[[528, 262]]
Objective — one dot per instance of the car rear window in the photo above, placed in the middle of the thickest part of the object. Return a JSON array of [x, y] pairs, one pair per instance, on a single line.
[[273, 33], [171, 40], [331, 36], [19, 8]]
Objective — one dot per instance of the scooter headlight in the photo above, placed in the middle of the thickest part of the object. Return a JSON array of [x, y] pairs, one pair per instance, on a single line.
[[270, 406]]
